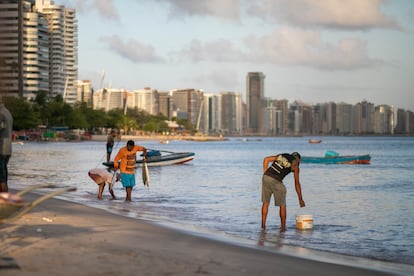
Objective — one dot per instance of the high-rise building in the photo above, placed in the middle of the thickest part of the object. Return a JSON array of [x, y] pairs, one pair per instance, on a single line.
[[363, 118], [254, 101], [344, 118], [405, 122], [145, 99], [384, 119], [275, 118], [84, 94], [24, 50], [111, 98], [165, 105], [38, 49], [231, 113], [187, 104], [63, 49]]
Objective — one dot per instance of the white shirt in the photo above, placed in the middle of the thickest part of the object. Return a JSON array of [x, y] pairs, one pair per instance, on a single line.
[[103, 173]]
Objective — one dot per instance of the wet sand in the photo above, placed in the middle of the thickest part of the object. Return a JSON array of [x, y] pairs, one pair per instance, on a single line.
[[64, 238]]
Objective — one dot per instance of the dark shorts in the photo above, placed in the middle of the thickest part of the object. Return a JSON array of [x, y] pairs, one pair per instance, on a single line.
[[271, 186], [4, 160], [109, 149]]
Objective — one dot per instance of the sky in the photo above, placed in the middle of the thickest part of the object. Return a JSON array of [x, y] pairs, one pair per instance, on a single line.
[[311, 51]]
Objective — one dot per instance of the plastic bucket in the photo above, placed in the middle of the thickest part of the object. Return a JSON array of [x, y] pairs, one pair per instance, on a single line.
[[304, 222]]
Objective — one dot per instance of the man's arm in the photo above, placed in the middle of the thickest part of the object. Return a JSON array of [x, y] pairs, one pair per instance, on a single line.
[[266, 161], [116, 160], [297, 183], [143, 149]]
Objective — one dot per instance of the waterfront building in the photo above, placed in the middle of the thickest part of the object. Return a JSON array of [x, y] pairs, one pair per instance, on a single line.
[[363, 118], [405, 122], [275, 115], [38, 49], [254, 101], [146, 99], [111, 98], [271, 120], [63, 49], [384, 119], [211, 114], [24, 50], [231, 113], [165, 104], [344, 119], [187, 103], [84, 94]]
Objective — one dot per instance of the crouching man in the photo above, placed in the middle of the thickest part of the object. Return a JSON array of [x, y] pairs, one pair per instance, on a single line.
[[103, 177]]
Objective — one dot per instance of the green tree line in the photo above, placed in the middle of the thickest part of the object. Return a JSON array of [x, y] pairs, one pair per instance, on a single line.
[[55, 112]]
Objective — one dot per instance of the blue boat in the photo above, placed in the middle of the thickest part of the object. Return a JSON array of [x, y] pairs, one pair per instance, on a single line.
[[332, 157]]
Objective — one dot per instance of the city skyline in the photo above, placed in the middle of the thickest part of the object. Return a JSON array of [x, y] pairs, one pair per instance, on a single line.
[[328, 52]]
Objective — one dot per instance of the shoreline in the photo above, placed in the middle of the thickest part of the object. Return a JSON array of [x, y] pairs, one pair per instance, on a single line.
[[60, 237], [161, 138]]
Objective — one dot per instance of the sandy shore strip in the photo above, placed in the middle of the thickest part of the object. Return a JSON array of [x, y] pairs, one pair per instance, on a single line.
[[64, 238], [161, 138]]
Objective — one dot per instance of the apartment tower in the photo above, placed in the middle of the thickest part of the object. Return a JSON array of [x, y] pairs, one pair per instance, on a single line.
[[254, 99], [63, 45], [24, 50]]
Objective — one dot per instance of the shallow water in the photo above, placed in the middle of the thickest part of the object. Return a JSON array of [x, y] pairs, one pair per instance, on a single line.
[[358, 210]]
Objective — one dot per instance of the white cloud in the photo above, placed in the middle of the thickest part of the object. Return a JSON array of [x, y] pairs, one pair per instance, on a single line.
[[106, 9], [339, 14], [220, 50], [292, 46], [224, 9], [132, 50], [285, 46]]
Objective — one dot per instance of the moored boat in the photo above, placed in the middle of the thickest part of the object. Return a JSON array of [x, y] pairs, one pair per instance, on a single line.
[[314, 141], [161, 158], [332, 157]]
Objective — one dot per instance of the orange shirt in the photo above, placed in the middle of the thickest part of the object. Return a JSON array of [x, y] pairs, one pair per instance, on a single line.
[[128, 159]]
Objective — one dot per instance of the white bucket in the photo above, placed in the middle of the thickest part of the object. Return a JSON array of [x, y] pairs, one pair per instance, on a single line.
[[304, 222]]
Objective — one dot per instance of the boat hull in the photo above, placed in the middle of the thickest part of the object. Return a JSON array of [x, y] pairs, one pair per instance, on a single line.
[[358, 159], [162, 160]]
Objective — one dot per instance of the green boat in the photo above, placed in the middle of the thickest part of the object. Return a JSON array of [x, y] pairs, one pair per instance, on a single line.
[[332, 157]]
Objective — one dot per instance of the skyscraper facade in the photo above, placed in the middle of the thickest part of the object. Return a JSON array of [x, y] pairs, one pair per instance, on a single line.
[[38, 49], [254, 101], [24, 50], [63, 49], [187, 104]]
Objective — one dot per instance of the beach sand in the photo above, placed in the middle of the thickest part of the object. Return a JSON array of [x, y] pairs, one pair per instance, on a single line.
[[64, 238]]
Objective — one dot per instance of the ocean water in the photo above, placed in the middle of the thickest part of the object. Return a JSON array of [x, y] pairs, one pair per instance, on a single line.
[[359, 210]]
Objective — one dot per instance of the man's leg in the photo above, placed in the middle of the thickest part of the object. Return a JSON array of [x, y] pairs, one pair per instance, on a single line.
[[3, 187], [128, 193], [265, 208], [112, 193], [282, 214], [101, 188]]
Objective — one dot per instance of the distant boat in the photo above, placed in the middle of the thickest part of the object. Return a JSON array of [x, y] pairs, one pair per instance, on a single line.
[[332, 157], [314, 141], [251, 139]]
